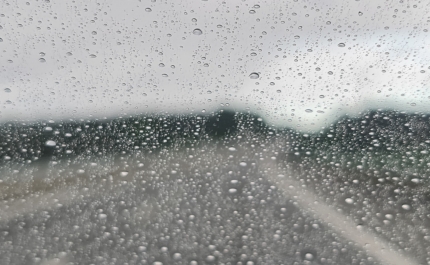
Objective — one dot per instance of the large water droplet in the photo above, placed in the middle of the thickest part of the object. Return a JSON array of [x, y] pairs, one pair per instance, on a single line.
[[42, 60], [254, 75], [341, 44], [197, 32], [309, 256], [50, 143], [7, 90]]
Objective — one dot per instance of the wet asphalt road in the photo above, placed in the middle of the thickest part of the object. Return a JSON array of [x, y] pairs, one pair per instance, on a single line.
[[204, 205]]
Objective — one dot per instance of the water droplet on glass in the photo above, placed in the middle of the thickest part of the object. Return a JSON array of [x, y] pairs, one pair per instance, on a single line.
[[194, 20], [406, 207], [297, 37], [251, 11], [309, 256], [7, 90], [50, 143], [232, 191], [254, 75], [177, 256], [349, 201], [148, 9], [94, 32], [309, 110], [42, 60], [93, 56], [102, 216], [41, 54], [341, 44], [123, 173], [360, 13], [197, 32], [210, 258], [243, 164]]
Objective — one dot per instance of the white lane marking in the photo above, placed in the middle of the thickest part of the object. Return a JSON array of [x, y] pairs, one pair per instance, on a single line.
[[309, 202]]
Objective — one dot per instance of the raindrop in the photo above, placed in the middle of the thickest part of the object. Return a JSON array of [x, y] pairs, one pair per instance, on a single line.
[[309, 110], [210, 258], [102, 216], [197, 32], [309, 256], [341, 44], [256, 6], [7, 90], [232, 149], [360, 13], [123, 173], [406, 207], [177, 256], [93, 56], [254, 75], [251, 11], [243, 164], [41, 54], [330, 72], [148, 9], [349, 201], [297, 37], [42, 60], [232, 191], [94, 32], [50, 143], [1, 40], [194, 20]]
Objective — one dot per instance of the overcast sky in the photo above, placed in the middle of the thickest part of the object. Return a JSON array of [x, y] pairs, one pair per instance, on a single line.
[[315, 60]]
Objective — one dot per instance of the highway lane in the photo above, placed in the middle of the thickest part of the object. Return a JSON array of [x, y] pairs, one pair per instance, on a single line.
[[214, 203]]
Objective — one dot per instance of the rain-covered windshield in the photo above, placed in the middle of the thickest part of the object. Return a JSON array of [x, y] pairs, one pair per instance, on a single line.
[[214, 132]]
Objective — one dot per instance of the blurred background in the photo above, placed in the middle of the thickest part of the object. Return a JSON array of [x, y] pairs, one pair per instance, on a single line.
[[206, 132]]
